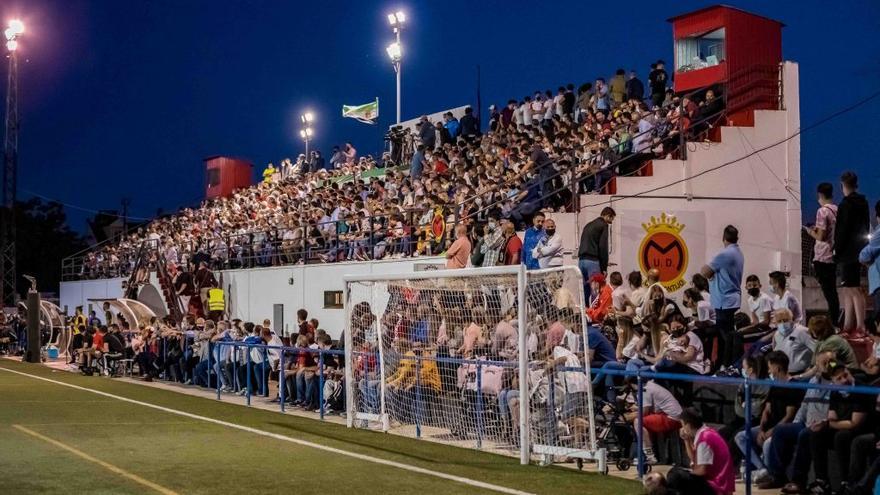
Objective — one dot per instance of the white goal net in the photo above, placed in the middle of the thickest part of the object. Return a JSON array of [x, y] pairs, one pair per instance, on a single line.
[[442, 356]]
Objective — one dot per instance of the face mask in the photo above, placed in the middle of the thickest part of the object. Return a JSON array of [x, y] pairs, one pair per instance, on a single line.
[[550, 232], [492, 225], [772, 376], [754, 292], [784, 327]]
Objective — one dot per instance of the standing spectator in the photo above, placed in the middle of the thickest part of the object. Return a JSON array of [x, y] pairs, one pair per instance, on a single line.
[[635, 89], [657, 81], [870, 256], [507, 113], [618, 87], [494, 118], [469, 125], [350, 154], [568, 100], [533, 236], [445, 137], [493, 241], [712, 471], [426, 132], [823, 250], [337, 159], [601, 96], [725, 279], [593, 248], [417, 164], [850, 236], [451, 125], [318, 162], [458, 254], [513, 245], [548, 252]]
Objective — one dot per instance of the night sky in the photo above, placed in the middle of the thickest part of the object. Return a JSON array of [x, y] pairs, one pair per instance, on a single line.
[[125, 98]]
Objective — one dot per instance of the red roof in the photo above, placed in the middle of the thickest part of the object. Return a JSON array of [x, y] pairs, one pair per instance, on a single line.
[[721, 6]]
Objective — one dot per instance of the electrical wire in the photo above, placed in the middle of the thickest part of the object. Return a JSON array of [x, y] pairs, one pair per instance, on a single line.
[[819, 122], [76, 207]]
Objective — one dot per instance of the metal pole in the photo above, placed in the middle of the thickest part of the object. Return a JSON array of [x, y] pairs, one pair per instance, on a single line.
[[282, 381], [479, 406], [418, 396], [321, 383], [399, 69], [640, 401], [8, 278], [523, 368], [748, 430], [248, 393]]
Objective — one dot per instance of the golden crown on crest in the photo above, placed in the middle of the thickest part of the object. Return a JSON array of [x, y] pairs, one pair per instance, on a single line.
[[665, 222]]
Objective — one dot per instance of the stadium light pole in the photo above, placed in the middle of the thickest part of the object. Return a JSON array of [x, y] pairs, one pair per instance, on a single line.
[[13, 32], [306, 132], [395, 50]]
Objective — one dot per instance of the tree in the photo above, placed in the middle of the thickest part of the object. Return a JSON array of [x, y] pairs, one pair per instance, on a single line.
[[43, 239]]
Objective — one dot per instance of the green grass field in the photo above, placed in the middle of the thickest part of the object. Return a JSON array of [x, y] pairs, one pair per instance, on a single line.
[[57, 439]]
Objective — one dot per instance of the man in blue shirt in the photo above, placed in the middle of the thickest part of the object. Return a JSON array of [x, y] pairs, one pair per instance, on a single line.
[[601, 350], [418, 163], [725, 273], [533, 236]]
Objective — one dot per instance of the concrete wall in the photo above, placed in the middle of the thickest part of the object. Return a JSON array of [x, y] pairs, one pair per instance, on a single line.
[[730, 182]]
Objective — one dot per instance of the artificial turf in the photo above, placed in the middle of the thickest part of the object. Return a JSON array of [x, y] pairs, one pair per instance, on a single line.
[[192, 456]]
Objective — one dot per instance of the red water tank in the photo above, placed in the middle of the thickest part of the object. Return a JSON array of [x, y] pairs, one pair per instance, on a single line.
[[224, 175]]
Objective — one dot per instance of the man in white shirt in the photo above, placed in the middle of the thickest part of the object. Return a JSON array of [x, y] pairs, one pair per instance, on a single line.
[[794, 341], [760, 307], [784, 298], [548, 252], [526, 111]]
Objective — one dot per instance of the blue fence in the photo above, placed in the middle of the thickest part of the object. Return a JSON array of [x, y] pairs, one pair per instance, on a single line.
[[284, 353]]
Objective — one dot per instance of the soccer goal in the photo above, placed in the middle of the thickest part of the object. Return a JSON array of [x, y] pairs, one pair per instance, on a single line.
[[489, 358]]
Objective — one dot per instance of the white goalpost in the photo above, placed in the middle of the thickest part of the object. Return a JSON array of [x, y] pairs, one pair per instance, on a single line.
[[495, 359]]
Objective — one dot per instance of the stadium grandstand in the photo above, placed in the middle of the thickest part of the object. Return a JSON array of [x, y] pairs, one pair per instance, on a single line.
[[611, 276]]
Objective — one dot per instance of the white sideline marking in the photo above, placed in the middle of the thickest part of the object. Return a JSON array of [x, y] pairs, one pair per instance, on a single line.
[[106, 465], [305, 443]]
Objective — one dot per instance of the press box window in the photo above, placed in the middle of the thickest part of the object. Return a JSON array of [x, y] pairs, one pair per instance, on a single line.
[[213, 177], [332, 299], [699, 51]]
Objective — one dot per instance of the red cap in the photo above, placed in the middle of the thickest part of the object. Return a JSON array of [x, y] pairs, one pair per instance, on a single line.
[[598, 278]]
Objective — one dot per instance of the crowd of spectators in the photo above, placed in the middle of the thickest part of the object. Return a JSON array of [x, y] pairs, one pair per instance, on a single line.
[[632, 323], [536, 154]]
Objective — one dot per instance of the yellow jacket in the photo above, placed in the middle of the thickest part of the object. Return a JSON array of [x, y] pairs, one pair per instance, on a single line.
[[405, 376]]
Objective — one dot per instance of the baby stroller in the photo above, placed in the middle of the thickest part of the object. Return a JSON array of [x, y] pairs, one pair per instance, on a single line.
[[615, 434]]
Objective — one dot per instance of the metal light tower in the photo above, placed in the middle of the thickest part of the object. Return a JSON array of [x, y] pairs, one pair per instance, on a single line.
[[395, 50], [306, 132], [8, 295]]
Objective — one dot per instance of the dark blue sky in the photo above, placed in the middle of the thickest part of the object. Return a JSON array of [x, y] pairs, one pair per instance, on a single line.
[[124, 98]]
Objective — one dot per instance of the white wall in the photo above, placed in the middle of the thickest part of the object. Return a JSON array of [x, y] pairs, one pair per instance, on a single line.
[[252, 293], [73, 294], [756, 194]]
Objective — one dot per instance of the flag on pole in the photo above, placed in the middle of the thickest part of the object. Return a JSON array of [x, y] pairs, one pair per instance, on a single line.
[[366, 113]]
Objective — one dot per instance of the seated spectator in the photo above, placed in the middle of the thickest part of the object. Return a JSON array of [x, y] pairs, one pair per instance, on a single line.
[[778, 409], [849, 416], [794, 341], [600, 299], [822, 331], [790, 442], [760, 307], [661, 412], [712, 472], [684, 353]]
